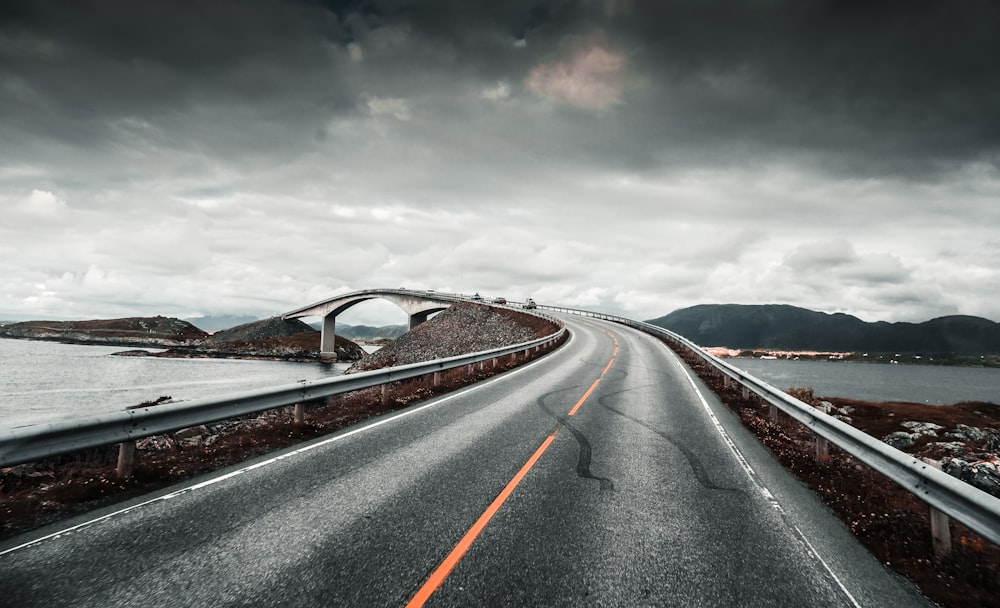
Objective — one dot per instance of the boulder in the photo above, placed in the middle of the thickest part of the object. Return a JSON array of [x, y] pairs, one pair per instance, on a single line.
[[967, 433], [952, 447], [983, 475], [922, 428], [899, 440]]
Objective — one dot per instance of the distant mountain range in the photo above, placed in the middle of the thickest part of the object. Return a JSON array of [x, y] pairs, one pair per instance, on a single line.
[[367, 333], [784, 327], [216, 322]]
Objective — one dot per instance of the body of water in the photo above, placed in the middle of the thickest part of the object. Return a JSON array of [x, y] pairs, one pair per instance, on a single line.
[[46, 381], [937, 384]]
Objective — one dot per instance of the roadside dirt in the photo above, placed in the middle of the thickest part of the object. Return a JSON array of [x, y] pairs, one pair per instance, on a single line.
[[891, 522]]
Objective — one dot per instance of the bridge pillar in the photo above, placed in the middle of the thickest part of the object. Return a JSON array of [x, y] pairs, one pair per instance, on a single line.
[[328, 340], [418, 318]]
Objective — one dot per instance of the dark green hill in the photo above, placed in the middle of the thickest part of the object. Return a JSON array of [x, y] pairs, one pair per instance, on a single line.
[[275, 337], [367, 332], [264, 329], [780, 326]]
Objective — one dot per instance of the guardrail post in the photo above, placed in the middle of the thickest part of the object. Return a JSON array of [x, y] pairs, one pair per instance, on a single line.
[[299, 414], [940, 525], [746, 392], [437, 379], [940, 533], [773, 414], [822, 448], [126, 459], [385, 394]]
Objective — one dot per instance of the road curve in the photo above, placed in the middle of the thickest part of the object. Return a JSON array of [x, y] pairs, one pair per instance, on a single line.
[[601, 475]]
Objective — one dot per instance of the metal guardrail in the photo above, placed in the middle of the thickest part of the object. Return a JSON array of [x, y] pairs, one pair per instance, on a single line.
[[29, 443], [955, 498]]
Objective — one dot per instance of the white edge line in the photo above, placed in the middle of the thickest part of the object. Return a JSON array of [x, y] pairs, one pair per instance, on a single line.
[[257, 465], [754, 478]]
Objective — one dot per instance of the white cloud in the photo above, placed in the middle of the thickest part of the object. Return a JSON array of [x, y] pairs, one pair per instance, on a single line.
[[40, 207], [43, 203]]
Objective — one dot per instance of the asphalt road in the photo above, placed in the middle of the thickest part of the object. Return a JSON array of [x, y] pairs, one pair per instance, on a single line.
[[649, 494]]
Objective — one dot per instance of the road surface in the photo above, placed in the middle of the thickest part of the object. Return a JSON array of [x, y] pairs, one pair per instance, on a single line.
[[600, 475]]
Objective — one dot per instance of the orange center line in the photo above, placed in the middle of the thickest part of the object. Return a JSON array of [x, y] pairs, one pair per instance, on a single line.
[[584, 398], [440, 574], [444, 569], [608, 366]]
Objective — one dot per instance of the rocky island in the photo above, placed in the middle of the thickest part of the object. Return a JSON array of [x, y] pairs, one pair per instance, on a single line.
[[153, 332], [274, 338]]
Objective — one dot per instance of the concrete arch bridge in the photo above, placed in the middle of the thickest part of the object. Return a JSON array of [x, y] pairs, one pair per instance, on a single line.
[[418, 305]]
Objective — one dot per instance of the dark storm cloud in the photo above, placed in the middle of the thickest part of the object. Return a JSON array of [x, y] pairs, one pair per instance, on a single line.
[[739, 149], [903, 87], [857, 87], [884, 83], [70, 68]]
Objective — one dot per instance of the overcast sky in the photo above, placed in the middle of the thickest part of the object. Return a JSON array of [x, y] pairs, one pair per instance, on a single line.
[[252, 156]]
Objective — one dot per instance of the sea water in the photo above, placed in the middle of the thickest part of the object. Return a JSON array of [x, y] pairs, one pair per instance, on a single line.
[[48, 381], [936, 384]]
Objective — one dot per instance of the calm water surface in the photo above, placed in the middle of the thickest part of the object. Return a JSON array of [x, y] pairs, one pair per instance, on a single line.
[[879, 382], [45, 381]]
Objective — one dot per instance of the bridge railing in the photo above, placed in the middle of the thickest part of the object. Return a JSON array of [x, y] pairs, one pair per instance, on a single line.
[[34, 442], [943, 493]]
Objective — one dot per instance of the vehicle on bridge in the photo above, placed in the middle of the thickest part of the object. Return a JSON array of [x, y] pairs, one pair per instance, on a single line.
[[529, 303], [500, 300], [476, 296]]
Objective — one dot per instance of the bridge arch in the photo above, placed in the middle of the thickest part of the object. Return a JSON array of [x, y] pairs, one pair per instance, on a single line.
[[416, 304]]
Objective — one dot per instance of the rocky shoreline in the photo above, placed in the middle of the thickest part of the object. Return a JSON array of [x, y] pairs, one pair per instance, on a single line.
[[883, 358], [272, 339]]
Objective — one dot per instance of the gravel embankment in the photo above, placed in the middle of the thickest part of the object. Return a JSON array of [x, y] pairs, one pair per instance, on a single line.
[[463, 328]]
